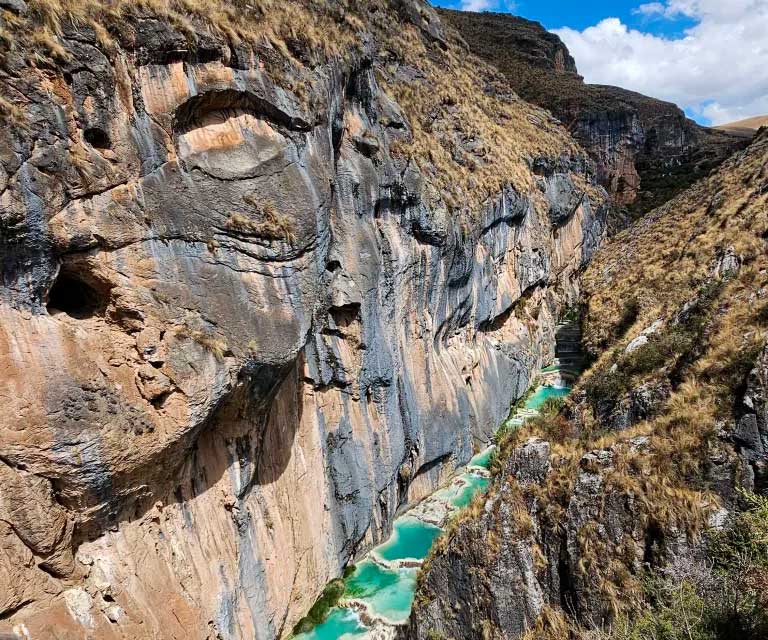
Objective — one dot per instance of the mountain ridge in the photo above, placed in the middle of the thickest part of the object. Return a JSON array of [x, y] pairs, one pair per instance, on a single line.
[[646, 150]]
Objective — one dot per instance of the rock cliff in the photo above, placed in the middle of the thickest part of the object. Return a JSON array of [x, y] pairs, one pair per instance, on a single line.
[[646, 150], [270, 271], [631, 483]]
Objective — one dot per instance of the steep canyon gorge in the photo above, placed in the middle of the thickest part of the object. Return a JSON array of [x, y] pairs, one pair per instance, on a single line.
[[240, 328], [271, 273]]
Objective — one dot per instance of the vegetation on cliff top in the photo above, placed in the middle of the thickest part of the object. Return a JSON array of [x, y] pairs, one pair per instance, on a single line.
[[471, 135]]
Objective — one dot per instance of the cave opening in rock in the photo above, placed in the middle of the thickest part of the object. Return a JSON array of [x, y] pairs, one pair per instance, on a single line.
[[74, 297], [97, 138]]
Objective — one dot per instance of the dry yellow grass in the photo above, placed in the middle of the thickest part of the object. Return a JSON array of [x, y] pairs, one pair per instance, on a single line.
[[329, 28], [452, 110], [744, 128], [216, 346], [663, 263], [471, 135], [12, 114], [268, 223]]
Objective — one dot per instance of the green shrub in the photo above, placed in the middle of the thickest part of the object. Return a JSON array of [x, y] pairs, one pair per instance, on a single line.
[[678, 613], [319, 611], [552, 406], [746, 538], [605, 385]]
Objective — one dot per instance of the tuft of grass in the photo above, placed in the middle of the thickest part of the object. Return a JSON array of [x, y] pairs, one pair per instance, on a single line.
[[12, 114], [270, 224], [216, 346]]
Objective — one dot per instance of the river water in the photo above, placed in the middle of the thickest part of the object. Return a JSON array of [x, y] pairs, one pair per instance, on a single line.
[[379, 592]]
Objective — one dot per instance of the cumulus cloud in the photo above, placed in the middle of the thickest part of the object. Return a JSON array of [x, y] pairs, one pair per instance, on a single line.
[[717, 69], [488, 5]]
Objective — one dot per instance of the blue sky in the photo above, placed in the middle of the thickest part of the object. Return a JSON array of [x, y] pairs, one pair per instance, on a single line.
[[554, 14], [708, 56]]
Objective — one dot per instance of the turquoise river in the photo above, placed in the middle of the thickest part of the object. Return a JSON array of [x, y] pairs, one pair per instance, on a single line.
[[381, 588]]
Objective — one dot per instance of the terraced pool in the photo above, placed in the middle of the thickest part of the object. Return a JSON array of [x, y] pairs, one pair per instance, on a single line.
[[384, 583]]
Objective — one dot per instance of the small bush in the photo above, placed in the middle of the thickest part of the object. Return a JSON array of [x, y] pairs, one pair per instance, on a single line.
[[208, 341], [606, 386], [746, 538], [552, 406], [319, 611]]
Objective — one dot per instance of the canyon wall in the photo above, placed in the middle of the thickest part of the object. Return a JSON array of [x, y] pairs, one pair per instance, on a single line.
[[635, 485], [239, 329]]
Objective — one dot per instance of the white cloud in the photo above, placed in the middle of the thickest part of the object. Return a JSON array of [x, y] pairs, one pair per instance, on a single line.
[[651, 9], [488, 5], [718, 68], [476, 5]]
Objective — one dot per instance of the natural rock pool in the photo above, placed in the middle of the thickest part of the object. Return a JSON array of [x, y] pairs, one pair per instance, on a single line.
[[378, 594]]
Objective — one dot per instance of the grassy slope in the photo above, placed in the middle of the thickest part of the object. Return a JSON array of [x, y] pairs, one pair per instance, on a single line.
[[471, 135], [651, 272], [745, 128]]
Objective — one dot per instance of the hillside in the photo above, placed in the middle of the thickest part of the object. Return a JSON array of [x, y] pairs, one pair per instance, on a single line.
[[744, 128], [646, 150], [638, 503], [271, 271]]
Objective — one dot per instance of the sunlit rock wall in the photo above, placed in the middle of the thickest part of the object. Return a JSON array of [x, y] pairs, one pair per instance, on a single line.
[[238, 333]]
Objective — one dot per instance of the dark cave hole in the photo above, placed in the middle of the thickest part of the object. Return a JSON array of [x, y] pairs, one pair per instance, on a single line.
[[97, 138], [74, 297], [345, 315]]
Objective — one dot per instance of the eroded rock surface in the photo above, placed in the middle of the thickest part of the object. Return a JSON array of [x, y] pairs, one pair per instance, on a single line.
[[238, 331]]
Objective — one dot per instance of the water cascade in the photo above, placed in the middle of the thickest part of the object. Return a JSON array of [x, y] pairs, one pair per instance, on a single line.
[[378, 593]]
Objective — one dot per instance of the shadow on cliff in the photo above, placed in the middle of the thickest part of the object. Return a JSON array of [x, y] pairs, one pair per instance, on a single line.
[[250, 437]]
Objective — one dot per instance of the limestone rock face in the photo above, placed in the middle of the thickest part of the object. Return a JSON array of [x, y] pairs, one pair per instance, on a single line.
[[238, 331]]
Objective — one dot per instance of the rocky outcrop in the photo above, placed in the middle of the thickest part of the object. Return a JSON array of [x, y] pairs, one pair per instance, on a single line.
[[750, 435], [501, 596], [239, 330], [650, 459], [646, 151], [524, 556]]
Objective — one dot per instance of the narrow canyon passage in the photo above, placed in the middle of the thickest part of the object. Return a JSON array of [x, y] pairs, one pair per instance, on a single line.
[[272, 273], [377, 593]]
